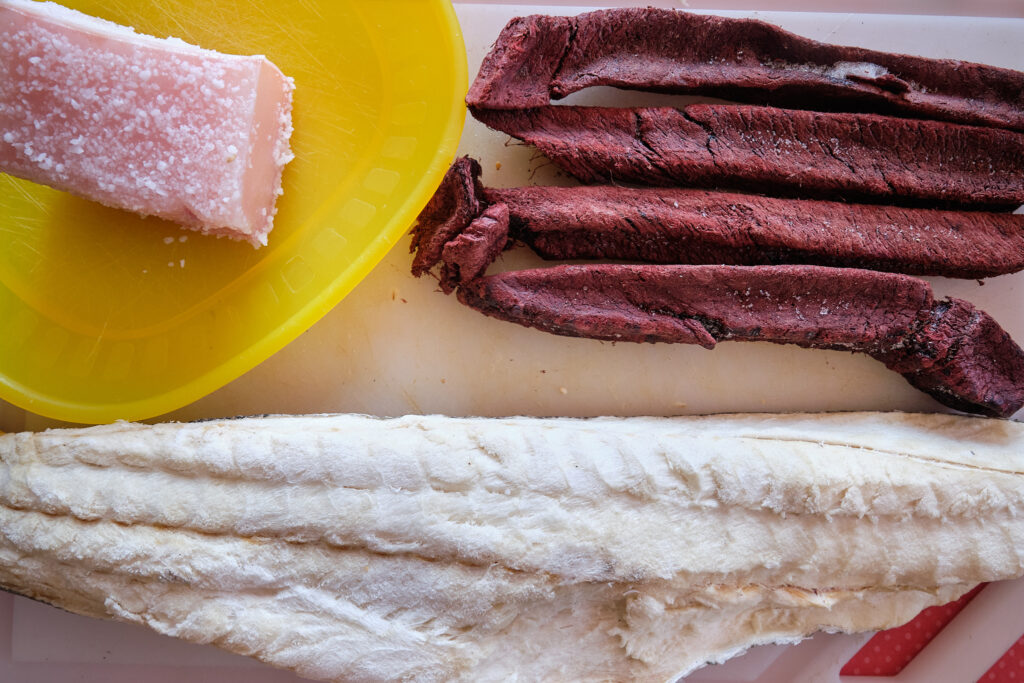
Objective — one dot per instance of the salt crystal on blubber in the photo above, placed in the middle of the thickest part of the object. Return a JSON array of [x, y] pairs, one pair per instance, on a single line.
[[155, 126]]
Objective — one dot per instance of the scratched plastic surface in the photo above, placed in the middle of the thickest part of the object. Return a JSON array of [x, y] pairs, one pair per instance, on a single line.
[[111, 316]]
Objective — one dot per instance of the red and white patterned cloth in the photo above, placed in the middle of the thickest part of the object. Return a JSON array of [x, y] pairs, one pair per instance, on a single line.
[[888, 652], [1010, 667]]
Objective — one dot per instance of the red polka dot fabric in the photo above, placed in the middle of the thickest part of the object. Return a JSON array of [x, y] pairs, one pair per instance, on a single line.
[[1009, 668], [889, 651]]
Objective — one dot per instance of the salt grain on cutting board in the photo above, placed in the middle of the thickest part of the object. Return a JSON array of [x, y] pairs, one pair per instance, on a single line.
[[154, 126]]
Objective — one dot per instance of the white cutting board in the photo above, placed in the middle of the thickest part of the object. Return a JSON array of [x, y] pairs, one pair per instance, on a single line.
[[397, 345]]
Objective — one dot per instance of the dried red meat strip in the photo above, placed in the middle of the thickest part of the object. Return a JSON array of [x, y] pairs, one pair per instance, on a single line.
[[670, 225], [949, 349], [539, 58], [763, 149]]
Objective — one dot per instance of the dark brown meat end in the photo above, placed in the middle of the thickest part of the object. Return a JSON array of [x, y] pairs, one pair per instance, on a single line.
[[963, 358]]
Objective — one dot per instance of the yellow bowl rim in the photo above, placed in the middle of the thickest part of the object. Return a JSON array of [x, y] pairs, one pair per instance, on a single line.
[[304, 318]]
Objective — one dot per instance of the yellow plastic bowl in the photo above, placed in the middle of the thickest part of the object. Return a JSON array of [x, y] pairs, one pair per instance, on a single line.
[[109, 316]]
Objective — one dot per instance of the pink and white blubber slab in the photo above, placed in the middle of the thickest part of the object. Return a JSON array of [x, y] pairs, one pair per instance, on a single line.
[[155, 126]]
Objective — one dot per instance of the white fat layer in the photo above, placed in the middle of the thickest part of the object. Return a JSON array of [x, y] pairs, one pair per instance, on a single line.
[[864, 70]]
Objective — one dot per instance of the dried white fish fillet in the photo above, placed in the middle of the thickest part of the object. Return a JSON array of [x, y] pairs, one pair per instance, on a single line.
[[431, 548]]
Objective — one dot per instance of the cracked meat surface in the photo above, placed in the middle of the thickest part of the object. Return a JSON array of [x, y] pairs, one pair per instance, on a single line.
[[804, 305], [763, 149], [949, 349], [540, 58], [670, 225]]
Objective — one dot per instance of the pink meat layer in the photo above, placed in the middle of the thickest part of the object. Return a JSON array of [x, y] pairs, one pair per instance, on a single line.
[[154, 126]]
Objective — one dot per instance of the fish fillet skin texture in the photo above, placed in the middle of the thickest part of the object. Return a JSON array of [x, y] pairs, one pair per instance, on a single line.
[[352, 548], [154, 126]]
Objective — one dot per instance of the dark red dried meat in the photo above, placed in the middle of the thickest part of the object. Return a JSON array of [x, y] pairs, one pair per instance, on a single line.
[[669, 225], [697, 226], [540, 58], [763, 149], [454, 205], [467, 256], [949, 349]]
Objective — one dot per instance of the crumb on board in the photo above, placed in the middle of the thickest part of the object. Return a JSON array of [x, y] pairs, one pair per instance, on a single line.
[[497, 166], [563, 391]]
